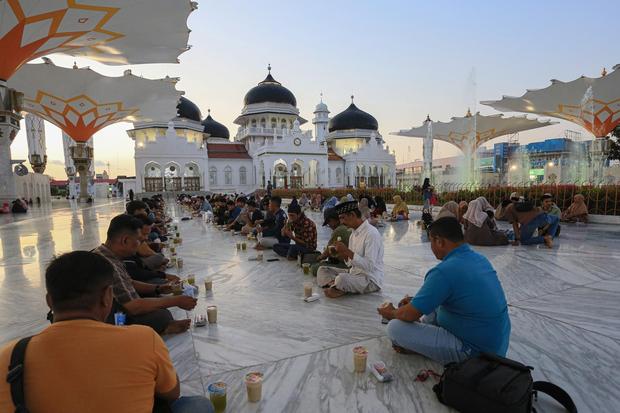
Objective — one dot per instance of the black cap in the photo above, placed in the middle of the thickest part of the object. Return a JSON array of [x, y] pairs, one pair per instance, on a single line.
[[345, 207], [294, 208], [329, 213]]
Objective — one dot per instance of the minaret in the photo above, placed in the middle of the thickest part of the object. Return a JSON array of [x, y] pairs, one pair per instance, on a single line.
[[320, 121]]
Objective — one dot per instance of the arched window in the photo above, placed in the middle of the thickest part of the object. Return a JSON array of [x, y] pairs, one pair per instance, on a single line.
[[263, 123], [228, 179], [283, 124], [253, 123], [213, 175], [243, 176], [338, 175], [274, 123]]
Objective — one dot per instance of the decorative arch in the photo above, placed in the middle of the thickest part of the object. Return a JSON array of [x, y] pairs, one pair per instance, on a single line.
[[228, 175], [212, 176], [243, 176]]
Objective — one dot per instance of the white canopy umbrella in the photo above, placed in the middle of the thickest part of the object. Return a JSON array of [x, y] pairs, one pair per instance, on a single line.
[[115, 32], [82, 102], [469, 132], [593, 103]]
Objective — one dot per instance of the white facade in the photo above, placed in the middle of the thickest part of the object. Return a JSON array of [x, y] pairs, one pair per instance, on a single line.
[[31, 186], [269, 146]]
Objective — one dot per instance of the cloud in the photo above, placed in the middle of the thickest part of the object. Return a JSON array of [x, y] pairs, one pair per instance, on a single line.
[[100, 164], [56, 162]]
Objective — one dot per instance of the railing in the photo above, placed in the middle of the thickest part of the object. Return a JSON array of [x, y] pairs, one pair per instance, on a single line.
[[601, 199]]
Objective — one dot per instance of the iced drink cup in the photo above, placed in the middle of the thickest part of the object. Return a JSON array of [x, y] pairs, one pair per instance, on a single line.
[[254, 385], [217, 395], [177, 289], [179, 263], [244, 246], [212, 314], [259, 256], [208, 284], [360, 356], [306, 268], [191, 279], [307, 289]]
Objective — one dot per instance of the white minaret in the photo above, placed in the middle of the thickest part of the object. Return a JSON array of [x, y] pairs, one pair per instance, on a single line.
[[320, 121]]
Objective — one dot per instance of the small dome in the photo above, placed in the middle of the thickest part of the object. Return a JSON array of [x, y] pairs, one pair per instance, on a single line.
[[188, 110], [270, 90], [214, 128], [353, 118], [321, 107]]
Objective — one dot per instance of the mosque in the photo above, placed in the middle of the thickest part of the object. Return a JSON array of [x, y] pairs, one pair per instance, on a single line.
[[188, 153]]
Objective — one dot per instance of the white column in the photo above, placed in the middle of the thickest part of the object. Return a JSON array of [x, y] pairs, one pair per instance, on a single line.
[[9, 126], [35, 134]]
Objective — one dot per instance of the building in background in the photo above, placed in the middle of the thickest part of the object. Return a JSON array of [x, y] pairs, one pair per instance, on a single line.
[[194, 155]]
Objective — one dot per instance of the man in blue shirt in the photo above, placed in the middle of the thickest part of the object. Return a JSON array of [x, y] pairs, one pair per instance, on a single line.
[[459, 311], [270, 229]]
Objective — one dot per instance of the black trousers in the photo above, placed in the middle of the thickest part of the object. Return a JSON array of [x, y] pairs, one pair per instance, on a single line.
[[158, 320]]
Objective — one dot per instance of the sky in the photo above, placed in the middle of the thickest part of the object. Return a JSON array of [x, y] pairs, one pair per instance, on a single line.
[[402, 59]]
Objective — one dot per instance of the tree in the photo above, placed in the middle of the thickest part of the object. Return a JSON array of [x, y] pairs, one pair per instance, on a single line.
[[614, 145]]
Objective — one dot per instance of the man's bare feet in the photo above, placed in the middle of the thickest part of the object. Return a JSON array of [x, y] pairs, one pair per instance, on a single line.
[[548, 241], [177, 326], [402, 350], [333, 292]]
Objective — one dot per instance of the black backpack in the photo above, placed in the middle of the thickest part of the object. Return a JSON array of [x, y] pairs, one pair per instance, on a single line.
[[490, 383]]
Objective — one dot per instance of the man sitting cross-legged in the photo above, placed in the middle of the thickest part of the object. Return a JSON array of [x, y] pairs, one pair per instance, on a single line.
[[300, 229], [122, 242], [271, 228], [459, 311], [340, 233], [363, 256], [81, 364]]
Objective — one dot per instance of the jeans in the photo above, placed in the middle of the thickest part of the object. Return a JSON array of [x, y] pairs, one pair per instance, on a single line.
[[192, 404], [527, 230], [427, 338], [285, 249]]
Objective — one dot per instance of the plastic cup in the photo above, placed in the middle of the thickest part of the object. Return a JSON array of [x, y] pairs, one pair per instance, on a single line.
[[208, 284], [360, 357], [179, 263], [217, 395], [212, 314], [306, 268], [191, 279], [307, 289], [244, 246], [173, 250], [177, 289], [178, 234], [238, 246], [259, 256], [254, 386]]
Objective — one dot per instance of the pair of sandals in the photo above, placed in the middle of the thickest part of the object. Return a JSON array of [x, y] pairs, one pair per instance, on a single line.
[[331, 291]]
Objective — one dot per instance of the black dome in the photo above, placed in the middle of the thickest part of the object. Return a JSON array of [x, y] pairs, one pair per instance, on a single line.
[[214, 128], [270, 90], [188, 110], [353, 118]]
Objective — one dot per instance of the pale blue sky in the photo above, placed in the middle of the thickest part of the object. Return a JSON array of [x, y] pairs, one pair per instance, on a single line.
[[401, 60]]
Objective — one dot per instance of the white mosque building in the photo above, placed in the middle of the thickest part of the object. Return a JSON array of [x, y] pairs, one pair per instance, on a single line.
[[195, 155]]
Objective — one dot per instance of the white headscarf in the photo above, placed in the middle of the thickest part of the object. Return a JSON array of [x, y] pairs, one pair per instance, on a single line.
[[476, 211]]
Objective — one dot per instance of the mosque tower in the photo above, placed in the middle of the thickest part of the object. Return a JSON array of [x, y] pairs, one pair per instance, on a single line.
[[320, 121]]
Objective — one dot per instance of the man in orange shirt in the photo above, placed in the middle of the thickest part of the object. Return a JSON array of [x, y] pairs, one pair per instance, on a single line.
[[80, 364]]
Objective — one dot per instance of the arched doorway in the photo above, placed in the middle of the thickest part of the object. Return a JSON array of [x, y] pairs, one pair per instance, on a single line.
[[153, 177], [280, 174], [172, 178], [191, 177], [297, 175]]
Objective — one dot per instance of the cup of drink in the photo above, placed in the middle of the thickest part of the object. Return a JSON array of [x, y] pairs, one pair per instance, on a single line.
[[306, 268], [173, 250], [307, 289], [238, 245], [244, 246], [178, 234], [120, 319], [212, 314], [173, 260], [259, 256], [254, 385], [179, 263], [360, 356], [209, 284], [177, 289], [217, 395], [180, 240], [191, 279]]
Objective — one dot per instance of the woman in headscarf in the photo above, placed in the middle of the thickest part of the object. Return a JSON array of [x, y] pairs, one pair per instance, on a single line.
[[449, 209], [577, 211], [330, 203], [304, 202], [480, 226], [400, 211], [364, 209]]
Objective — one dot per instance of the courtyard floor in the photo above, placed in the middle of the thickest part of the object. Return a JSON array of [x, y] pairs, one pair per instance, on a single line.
[[564, 307]]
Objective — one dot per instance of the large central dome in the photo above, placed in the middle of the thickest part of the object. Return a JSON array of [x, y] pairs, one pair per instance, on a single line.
[[270, 90], [214, 128], [353, 118]]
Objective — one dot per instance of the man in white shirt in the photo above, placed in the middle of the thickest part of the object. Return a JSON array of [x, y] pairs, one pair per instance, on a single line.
[[363, 256]]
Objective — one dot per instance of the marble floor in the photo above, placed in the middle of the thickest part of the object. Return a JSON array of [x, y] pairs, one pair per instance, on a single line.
[[564, 308]]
